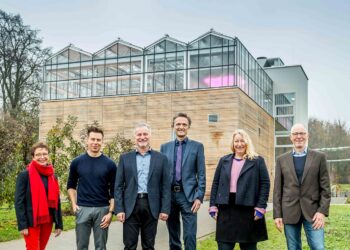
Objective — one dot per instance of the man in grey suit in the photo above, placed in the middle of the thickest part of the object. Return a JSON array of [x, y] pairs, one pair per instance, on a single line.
[[301, 192], [187, 164], [142, 191]]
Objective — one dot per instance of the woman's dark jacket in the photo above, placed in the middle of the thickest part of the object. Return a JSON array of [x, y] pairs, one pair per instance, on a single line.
[[253, 184], [23, 203]]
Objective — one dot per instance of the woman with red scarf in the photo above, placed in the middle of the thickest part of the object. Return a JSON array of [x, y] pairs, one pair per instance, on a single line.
[[37, 200]]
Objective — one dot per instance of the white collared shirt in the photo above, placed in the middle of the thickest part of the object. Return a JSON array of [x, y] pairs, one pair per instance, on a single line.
[[299, 154]]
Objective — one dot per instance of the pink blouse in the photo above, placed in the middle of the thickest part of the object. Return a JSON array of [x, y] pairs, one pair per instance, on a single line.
[[235, 171]]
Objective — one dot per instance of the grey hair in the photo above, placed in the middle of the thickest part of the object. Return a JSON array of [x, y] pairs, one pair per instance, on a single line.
[[142, 125], [298, 125]]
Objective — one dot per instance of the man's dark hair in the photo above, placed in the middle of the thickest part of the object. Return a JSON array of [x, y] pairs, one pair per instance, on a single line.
[[38, 145], [181, 115], [95, 130]]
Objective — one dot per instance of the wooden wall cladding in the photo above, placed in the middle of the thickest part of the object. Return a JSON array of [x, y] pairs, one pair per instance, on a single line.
[[119, 114]]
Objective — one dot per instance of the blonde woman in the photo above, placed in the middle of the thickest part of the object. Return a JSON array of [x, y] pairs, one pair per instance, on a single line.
[[239, 196]]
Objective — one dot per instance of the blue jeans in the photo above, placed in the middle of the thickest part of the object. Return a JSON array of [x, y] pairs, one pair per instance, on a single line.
[[179, 204], [315, 238]]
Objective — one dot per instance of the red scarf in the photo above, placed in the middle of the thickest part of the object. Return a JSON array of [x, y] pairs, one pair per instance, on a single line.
[[40, 201]]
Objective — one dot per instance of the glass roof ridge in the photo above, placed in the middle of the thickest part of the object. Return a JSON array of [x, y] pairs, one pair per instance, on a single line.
[[168, 38], [118, 41], [72, 47], [128, 44], [211, 32]]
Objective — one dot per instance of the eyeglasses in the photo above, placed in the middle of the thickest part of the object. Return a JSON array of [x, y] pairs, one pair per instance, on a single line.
[[41, 155], [299, 133]]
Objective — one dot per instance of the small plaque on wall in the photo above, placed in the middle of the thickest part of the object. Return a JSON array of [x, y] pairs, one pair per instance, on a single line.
[[213, 118]]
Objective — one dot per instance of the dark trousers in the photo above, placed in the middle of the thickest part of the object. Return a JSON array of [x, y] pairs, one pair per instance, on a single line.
[[140, 219], [179, 204], [231, 246]]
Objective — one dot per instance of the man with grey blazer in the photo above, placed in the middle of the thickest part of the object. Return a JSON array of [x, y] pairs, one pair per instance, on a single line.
[[301, 192], [187, 165]]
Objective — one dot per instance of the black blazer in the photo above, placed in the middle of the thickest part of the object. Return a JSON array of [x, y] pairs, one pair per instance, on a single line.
[[158, 187], [253, 183], [23, 204]]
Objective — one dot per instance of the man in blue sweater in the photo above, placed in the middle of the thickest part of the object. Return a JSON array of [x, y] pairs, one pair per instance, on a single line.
[[91, 191], [301, 194]]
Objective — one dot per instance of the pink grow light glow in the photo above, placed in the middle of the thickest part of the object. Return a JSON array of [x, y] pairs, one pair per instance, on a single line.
[[218, 81]]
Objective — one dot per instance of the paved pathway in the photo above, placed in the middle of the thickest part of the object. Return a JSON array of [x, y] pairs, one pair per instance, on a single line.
[[338, 200], [66, 241]]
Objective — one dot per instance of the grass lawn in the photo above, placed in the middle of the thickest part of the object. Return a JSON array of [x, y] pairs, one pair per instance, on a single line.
[[344, 188], [337, 232], [8, 224]]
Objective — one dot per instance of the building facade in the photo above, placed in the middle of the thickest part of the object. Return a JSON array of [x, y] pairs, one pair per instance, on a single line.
[[211, 61], [290, 92], [214, 79]]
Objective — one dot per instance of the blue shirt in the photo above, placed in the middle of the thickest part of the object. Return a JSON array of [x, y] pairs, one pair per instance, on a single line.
[[299, 154], [142, 162]]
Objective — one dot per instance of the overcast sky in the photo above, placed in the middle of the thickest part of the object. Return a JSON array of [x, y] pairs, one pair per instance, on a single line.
[[313, 33]]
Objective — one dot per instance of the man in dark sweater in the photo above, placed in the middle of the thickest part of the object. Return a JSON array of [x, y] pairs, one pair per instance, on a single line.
[[91, 191], [301, 194]]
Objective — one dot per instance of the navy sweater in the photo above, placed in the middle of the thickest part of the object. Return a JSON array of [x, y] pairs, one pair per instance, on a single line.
[[93, 178], [299, 164]]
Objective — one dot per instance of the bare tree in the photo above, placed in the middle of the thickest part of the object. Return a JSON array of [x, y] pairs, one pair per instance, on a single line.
[[21, 57], [334, 139]]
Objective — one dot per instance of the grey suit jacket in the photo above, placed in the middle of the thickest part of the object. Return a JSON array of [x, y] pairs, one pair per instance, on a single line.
[[158, 186], [291, 199], [192, 169]]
